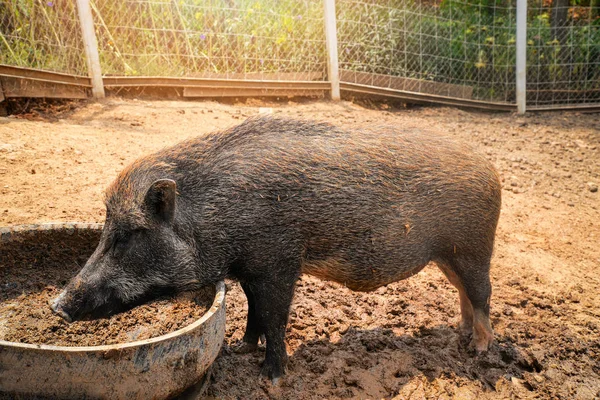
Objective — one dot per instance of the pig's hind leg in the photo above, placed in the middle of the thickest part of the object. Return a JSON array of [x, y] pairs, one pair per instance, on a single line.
[[466, 309], [474, 288]]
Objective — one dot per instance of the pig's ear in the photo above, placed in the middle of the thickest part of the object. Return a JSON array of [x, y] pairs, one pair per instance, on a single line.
[[160, 200]]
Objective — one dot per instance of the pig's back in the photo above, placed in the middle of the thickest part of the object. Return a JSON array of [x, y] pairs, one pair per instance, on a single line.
[[350, 199]]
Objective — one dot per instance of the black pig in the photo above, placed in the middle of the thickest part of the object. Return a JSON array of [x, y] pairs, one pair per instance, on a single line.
[[273, 198]]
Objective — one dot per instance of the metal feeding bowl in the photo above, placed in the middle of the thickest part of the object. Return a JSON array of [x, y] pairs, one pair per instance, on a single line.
[[157, 368]]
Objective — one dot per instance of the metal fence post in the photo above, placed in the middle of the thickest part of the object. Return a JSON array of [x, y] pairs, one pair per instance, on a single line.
[[91, 47], [333, 72], [521, 55]]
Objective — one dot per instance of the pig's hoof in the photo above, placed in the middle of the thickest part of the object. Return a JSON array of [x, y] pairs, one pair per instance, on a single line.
[[276, 381], [482, 344], [245, 348], [274, 374], [481, 348]]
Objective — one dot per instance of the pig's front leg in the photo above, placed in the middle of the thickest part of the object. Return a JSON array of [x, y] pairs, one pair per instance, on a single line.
[[253, 332], [272, 300]]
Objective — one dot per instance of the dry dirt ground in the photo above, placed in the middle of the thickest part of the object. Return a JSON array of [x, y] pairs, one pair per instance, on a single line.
[[399, 341]]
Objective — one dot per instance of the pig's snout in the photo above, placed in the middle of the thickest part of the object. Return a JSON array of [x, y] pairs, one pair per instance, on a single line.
[[57, 307]]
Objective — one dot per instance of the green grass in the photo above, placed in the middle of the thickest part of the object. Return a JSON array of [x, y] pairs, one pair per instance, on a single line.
[[41, 34]]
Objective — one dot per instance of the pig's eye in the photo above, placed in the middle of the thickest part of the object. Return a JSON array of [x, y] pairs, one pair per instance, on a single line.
[[121, 243]]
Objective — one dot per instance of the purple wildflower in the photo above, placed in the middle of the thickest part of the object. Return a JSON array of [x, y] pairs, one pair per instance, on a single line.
[[202, 36], [50, 4]]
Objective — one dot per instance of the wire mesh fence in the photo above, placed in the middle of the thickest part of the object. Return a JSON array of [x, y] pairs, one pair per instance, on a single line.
[[41, 34], [461, 49], [244, 39], [563, 60]]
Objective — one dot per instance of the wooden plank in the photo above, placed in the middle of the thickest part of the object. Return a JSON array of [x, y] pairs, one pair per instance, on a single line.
[[139, 81], [45, 76], [1, 93], [425, 98], [261, 76], [16, 87], [583, 107], [236, 92], [407, 84]]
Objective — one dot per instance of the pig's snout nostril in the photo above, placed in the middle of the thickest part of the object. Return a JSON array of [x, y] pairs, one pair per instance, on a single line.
[[62, 314], [55, 306], [58, 310]]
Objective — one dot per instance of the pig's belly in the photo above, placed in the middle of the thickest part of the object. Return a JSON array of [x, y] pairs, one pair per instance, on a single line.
[[358, 277]]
